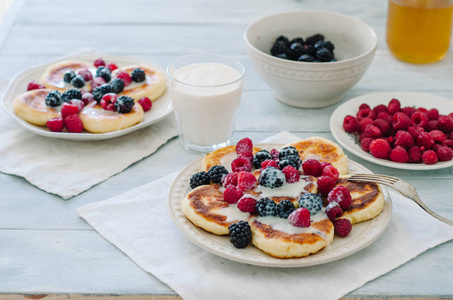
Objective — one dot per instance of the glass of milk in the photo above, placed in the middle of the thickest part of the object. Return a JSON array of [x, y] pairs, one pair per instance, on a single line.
[[205, 91]]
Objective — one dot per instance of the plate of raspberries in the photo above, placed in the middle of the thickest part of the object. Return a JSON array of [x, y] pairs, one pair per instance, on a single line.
[[403, 130]]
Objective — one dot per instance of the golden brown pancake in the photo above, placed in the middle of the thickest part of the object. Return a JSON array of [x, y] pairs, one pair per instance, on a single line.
[[53, 76], [31, 106]]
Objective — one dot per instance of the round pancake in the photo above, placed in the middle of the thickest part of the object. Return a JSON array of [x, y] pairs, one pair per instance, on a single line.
[[222, 157], [31, 107], [98, 120], [53, 76], [153, 87], [323, 150], [367, 200], [268, 236]]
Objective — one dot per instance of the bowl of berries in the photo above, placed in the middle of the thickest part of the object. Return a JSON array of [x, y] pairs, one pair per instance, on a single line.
[[310, 58]]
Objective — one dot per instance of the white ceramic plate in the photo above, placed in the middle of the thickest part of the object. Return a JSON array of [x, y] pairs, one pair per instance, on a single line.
[[18, 85], [349, 141], [362, 234]]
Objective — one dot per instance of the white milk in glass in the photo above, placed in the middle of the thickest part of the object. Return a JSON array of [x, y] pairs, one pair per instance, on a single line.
[[205, 97]]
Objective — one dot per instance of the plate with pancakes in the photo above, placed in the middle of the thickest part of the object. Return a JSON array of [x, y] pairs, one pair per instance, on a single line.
[[130, 122], [363, 233]]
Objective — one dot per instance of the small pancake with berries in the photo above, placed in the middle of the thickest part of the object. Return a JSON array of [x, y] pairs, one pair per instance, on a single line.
[[31, 106], [66, 75]]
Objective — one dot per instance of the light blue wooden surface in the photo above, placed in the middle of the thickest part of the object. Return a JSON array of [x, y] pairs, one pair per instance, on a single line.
[[46, 248]]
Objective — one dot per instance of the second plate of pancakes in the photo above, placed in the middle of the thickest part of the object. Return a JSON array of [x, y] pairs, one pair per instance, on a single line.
[[362, 234]]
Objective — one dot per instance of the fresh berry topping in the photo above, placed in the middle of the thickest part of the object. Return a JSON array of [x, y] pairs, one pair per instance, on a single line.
[[71, 94], [247, 155], [247, 204], [241, 164], [108, 101], [125, 77], [232, 194], [246, 181], [269, 163], [331, 171], [68, 76], [342, 227], [86, 74], [101, 91], [112, 66], [325, 184], [105, 73], [138, 75], [217, 173], [99, 62], [117, 85], [275, 153], [266, 207], [351, 124], [288, 151], [272, 178], [78, 103], [53, 99], [124, 104], [285, 208], [294, 161], [198, 179], [73, 123], [78, 82], [244, 146], [401, 121], [55, 124], [445, 123], [291, 174], [312, 167], [429, 157], [69, 109], [146, 103], [341, 195], [394, 106], [300, 218], [380, 148], [87, 98], [324, 164], [97, 82], [240, 234], [33, 85], [259, 157], [444, 153], [312, 202], [230, 179], [399, 155], [333, 211]]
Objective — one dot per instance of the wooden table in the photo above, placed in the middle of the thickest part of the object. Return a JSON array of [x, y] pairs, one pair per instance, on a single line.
[[45, 248]]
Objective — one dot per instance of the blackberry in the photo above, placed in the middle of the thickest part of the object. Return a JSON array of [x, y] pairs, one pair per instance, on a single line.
[[285, 208], [324, 44], [71, 94], [306, 58], [259, 157], [138, 75], [312, 202], [283, 39], [124, 104], [288, 151], [272, 178], [309, 49], [279, 48], [101, 91], [266, 207], [78, 81], [311, 40], [216, 173], [198, 179], [295, 50], [240, 234], [324, 55], [294, 161], [333, 60], [68, 75], [53, 99], [282, 56], [117, 85], [105, 73], [297, 40]]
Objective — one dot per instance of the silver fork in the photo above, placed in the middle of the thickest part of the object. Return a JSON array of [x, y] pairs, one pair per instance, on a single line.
[[401, 186]]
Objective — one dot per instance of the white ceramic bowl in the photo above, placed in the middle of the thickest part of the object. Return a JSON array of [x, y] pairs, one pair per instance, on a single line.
[[305, 84]]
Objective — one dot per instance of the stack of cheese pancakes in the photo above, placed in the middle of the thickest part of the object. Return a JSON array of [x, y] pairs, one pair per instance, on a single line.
[[31, 105], [204, 206]]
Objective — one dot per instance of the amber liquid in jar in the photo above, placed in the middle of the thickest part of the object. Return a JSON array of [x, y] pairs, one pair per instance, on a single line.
[[419, 31]]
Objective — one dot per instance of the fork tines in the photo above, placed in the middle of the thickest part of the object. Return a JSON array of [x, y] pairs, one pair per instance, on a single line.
[[384, 179]]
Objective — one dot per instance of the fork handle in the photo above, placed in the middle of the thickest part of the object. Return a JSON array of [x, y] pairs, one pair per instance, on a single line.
[[422, 205]]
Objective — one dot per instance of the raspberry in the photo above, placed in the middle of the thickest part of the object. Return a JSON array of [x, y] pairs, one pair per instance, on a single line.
[[380, 148], [86, 74], [246, 181], [111, 66], [422, 109], [429, 157], [259, 157], [87, 98], [275, 153], [351, 124], [216, 173], [269, 163], [244, 145], [333, 211], [33, 85], [312, 202], [432, 125], [332, 172], [394, 106], [364, 106], [232, 194], [401, 121], [230, 179], [285, 208], [247, 155], [300, 218], [108, 101], [272, 178], [55, 124], [424, 139], [341, 195], [312, 167], [97, 82], [364, 123], [73, 123], [342, 227], [408, 110], [366, 113], [325, 184], [448, 143], [266, 207], [99, 62], [69, 109], [445, 123], [404, 139], [438, 136], [399, 155], [241, 164], [247, 204], [78, 103], [380, 108], [291, 174], [125, 77], [415, 154], [383, 115], [372, 131], [198, 179], [365, 144], [444, 153], [433, 114], [414, 131], [383, 126], [146, 103], [420, 119], [240, 234], [324, 164]]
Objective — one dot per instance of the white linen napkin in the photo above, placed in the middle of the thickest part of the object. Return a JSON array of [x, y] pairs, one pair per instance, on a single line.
[[138, 223]]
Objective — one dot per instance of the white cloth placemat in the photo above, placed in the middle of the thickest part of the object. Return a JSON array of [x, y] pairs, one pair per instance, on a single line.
[[138, 223]]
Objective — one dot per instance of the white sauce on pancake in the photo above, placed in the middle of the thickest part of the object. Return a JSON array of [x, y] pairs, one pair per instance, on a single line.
[[232, 213], [227, 159], [286, 190]]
